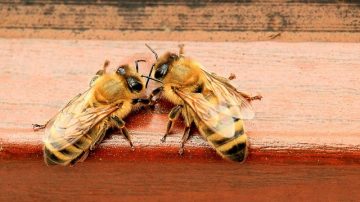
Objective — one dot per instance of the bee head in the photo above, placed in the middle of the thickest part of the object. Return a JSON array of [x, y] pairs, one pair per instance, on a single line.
[[131, 77], [163, 65]]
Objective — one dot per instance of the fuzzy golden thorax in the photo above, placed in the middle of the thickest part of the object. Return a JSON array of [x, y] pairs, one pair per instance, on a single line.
[[177, 71], [125, 83]]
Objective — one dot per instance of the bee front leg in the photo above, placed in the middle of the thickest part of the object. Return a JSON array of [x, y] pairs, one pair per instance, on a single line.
[[173, 115], [119, 123], [141, 100], [153, 94]]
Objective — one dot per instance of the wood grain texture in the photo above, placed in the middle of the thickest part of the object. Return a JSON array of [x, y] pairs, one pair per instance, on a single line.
[[183, 20], [114, 180], [310, 111]]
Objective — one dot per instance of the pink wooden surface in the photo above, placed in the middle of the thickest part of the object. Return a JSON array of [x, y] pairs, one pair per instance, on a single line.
[[310, 110]]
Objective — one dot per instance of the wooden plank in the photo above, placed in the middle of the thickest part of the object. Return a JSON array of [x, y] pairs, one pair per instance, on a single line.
[[114, 180], [231, 20], [310, 110]]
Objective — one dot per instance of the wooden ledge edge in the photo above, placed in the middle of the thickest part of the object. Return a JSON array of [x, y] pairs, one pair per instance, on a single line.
[[197, 150]]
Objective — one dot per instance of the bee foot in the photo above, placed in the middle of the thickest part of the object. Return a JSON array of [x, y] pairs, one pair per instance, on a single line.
[[37, 127], [257, 97], [181, 151], [163, 139], [232, 76], [132, 148]]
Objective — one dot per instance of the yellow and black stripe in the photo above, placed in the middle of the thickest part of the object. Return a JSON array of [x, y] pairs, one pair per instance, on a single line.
[[74, 152], [233, 148]]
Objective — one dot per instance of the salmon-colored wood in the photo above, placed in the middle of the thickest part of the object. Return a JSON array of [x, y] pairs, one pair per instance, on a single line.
[[229, 20], [309, 113], [114, 180]]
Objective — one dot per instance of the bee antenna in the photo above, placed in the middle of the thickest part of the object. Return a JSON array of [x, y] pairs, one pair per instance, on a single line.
[[152, 50], [106, 64], [151, 79], [181, 50], [137, 65], [152, 67]]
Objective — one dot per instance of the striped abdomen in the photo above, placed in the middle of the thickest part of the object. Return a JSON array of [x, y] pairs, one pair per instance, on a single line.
[[233, 148], [76, 151]]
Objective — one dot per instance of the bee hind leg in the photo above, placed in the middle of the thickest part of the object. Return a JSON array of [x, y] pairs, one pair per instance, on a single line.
[[249, 97], [173, 115], [37, 127], [232, 76], [184, 139], [119, 123]]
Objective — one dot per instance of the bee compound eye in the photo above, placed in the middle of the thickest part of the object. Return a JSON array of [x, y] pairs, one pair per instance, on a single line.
[[137, 87], [134, 84], [121, 70], [161, 72]]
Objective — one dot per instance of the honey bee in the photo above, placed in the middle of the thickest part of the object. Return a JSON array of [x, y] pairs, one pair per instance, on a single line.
[[82, 124], [215, 106]]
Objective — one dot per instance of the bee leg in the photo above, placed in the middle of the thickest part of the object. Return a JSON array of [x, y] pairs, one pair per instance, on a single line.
[[141, 100], [119, 123], [80, 158], [184, 139], [154, 93], [249, 97], [98, 141], [37, 127], [125, 132], [232, 76], [173, 115]]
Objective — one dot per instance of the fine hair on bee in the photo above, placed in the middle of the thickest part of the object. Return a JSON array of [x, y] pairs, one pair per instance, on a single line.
[[81, 125], [205, 99]]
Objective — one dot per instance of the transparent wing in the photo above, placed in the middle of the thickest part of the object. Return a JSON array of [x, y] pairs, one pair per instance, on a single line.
[[74, 121], [219, 105], [229, 96], [217, 116]]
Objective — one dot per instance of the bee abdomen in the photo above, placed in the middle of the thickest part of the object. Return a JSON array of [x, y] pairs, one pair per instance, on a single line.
[[72, 153], [233, 148]]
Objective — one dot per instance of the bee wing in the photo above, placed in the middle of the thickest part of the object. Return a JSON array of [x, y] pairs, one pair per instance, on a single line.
[[74, 121], [230, 96], [220, 106], [217, 116]]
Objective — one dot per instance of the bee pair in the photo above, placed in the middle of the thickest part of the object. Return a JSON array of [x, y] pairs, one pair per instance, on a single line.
[[202, 98]]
